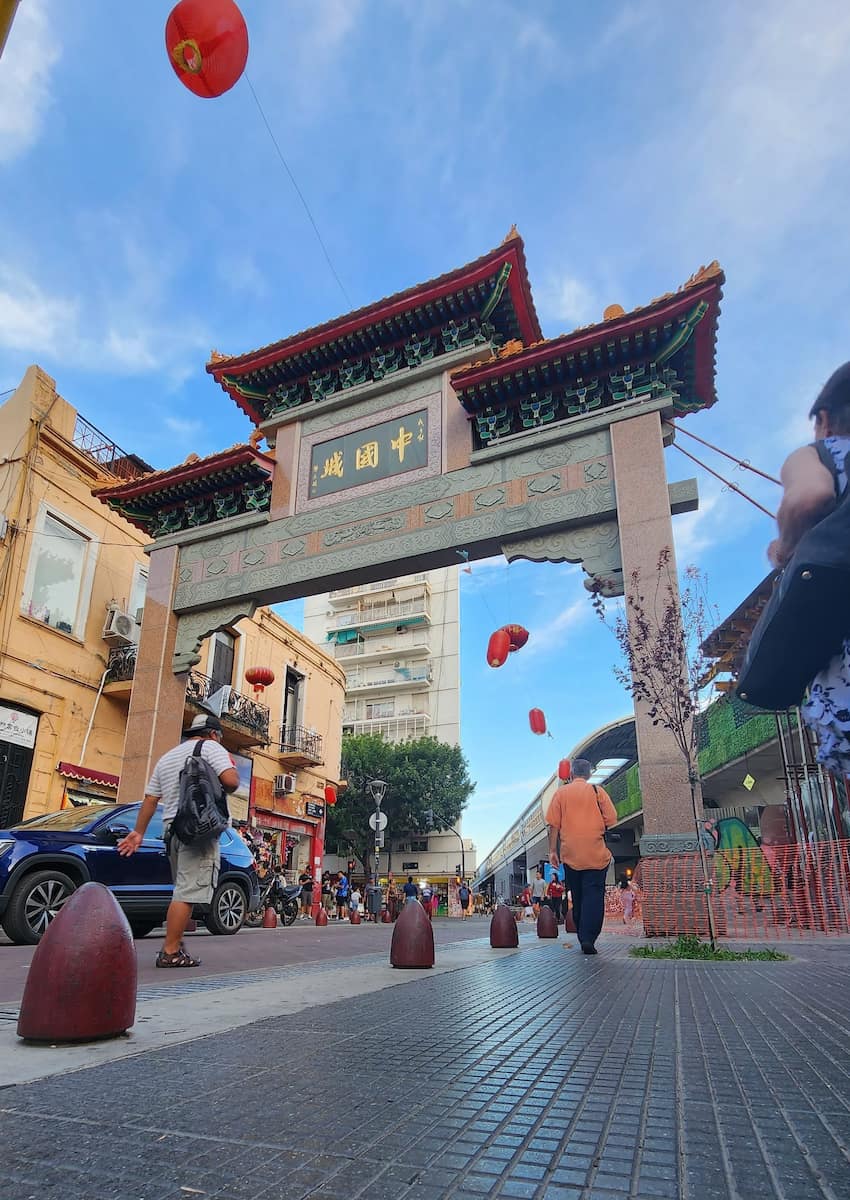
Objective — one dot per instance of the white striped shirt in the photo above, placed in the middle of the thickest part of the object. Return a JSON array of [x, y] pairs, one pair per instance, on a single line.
[[165, 781]]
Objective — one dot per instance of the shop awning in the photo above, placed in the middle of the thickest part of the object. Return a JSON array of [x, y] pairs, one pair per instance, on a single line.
[[87, 775], [272, 820]]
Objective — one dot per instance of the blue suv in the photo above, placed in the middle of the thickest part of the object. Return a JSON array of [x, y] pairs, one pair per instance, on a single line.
[[43, 860]]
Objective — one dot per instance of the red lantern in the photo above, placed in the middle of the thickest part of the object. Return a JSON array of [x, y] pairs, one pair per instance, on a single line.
[[207, 44], [261, 677], [537, 721], [330, 795], [564, 769], [498, 648], [517, 635]]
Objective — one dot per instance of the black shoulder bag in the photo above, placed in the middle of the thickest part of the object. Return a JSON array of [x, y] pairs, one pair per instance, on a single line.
[[807, 616]]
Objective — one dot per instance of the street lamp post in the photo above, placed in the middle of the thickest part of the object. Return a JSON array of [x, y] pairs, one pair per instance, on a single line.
[[377, 789]]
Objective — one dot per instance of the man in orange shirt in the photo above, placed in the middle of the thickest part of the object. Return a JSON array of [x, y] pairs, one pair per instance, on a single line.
[[580, 813]]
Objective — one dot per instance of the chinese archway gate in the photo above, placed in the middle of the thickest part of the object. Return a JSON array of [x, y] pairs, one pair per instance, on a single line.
[[434, 421]]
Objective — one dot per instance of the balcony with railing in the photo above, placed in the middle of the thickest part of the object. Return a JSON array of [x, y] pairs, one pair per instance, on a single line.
[[411, 679], [344, 595], [108, 456], [300, 747], [395, 729], [389, 613], [396, 646], [245, 720]]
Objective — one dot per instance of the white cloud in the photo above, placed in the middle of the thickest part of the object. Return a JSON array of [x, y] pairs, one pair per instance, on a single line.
[[30, 319], [565, 622], [696, 532], [105, 334], [569, 300], [183, 428], [28, 59]]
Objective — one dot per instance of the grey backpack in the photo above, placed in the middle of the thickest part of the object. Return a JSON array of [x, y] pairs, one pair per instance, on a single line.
[[202, 808]]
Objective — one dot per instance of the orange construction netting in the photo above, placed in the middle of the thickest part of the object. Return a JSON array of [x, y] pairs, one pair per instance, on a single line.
[[764, 893]]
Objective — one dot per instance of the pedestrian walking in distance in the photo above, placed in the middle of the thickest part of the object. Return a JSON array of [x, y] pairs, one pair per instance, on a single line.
[[579, 814], [538, 892], [194, 869], [306, 881]]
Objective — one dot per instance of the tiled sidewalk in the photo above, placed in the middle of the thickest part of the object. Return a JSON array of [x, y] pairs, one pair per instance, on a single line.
[[543, 1074]]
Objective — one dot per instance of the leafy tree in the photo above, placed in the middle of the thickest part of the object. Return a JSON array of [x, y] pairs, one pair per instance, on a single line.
[[420, 775]]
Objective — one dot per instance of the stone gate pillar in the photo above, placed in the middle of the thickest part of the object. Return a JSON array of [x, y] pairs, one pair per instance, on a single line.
[[155, 719], [643, 510]]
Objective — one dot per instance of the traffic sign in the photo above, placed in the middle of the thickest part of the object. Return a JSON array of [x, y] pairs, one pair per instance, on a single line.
[[378, 820], [379, 840]]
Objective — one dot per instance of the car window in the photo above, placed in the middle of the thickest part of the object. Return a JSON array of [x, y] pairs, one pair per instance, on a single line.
[[66, 820]]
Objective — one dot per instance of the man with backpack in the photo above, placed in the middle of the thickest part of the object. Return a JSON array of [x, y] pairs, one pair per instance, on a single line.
[[464, 896], [193, 798]]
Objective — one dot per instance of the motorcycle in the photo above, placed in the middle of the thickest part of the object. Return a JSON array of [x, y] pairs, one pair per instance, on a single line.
[[284, 899]]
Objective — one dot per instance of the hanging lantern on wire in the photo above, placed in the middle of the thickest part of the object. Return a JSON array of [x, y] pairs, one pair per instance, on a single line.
[[330, 795], [207, 44], [518, 636], [565, 769], [537, 720], [260, 677], [498, 648]]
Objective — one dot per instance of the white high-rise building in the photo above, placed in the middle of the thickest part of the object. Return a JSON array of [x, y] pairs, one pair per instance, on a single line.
[[399, 644]]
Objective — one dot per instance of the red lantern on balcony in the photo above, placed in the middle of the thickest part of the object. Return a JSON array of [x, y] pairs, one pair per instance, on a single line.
[[207, 44], [564, 769], [537, 721], [330, 795], [261, 677], [498, 648], [518, 636]]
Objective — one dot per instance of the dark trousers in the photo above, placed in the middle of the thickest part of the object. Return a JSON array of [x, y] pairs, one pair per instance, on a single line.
[[554, 903], [587, 889]]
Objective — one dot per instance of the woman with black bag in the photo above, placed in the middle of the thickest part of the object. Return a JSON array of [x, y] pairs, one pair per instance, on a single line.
[[815, 480]]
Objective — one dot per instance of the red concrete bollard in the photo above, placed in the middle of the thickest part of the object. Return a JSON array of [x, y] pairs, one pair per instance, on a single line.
[[386, 919], [81, 984], [321, 918], [413, 938], [355, 917], [269, 918], [503, 931], [547, 925]]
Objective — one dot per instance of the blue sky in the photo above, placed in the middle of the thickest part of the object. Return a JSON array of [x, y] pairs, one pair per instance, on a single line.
[[630, 142]]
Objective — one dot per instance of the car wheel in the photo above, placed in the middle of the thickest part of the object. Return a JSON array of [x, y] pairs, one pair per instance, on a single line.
[[34, 903], [228, 909], [143, 928]]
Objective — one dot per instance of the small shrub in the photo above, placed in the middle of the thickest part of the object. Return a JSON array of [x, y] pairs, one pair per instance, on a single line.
[[688, 946]]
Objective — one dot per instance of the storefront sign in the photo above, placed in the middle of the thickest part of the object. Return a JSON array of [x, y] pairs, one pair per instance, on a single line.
[[314, 810], [18, 727], [410, 866], [377, 453]]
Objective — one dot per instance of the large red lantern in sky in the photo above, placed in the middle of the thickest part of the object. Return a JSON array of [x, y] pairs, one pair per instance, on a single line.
[[207, 44], [260, 677], [330, 795], [537, 721], [518, 636], [498, 648], [565, 769]]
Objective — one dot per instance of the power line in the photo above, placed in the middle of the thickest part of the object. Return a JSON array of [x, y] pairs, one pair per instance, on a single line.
[[741, 462], [299, 193], [732, 486]]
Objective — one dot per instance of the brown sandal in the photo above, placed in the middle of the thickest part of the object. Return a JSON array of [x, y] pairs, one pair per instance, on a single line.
[[180, 959]]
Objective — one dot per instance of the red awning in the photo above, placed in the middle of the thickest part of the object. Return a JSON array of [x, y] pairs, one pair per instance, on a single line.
[[87, 775]]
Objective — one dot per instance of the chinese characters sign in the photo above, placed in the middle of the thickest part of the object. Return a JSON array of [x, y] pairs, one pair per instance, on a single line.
[[377, 453], [17, 727]]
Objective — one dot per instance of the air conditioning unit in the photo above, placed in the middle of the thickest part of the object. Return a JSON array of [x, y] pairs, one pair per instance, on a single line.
[[284, 785], [120, 628]]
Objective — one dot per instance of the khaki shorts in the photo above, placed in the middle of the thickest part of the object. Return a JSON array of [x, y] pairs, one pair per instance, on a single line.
[[194, 870]]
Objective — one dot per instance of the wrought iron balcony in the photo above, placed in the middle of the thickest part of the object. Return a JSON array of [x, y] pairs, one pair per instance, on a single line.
[[121, 664], [300, 747], [248, 715]]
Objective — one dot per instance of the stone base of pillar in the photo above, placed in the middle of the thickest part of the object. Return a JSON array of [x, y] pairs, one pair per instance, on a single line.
[[673, 897]]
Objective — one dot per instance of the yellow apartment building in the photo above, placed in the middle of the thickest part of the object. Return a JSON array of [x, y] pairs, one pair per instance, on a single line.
[[73, 574]]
